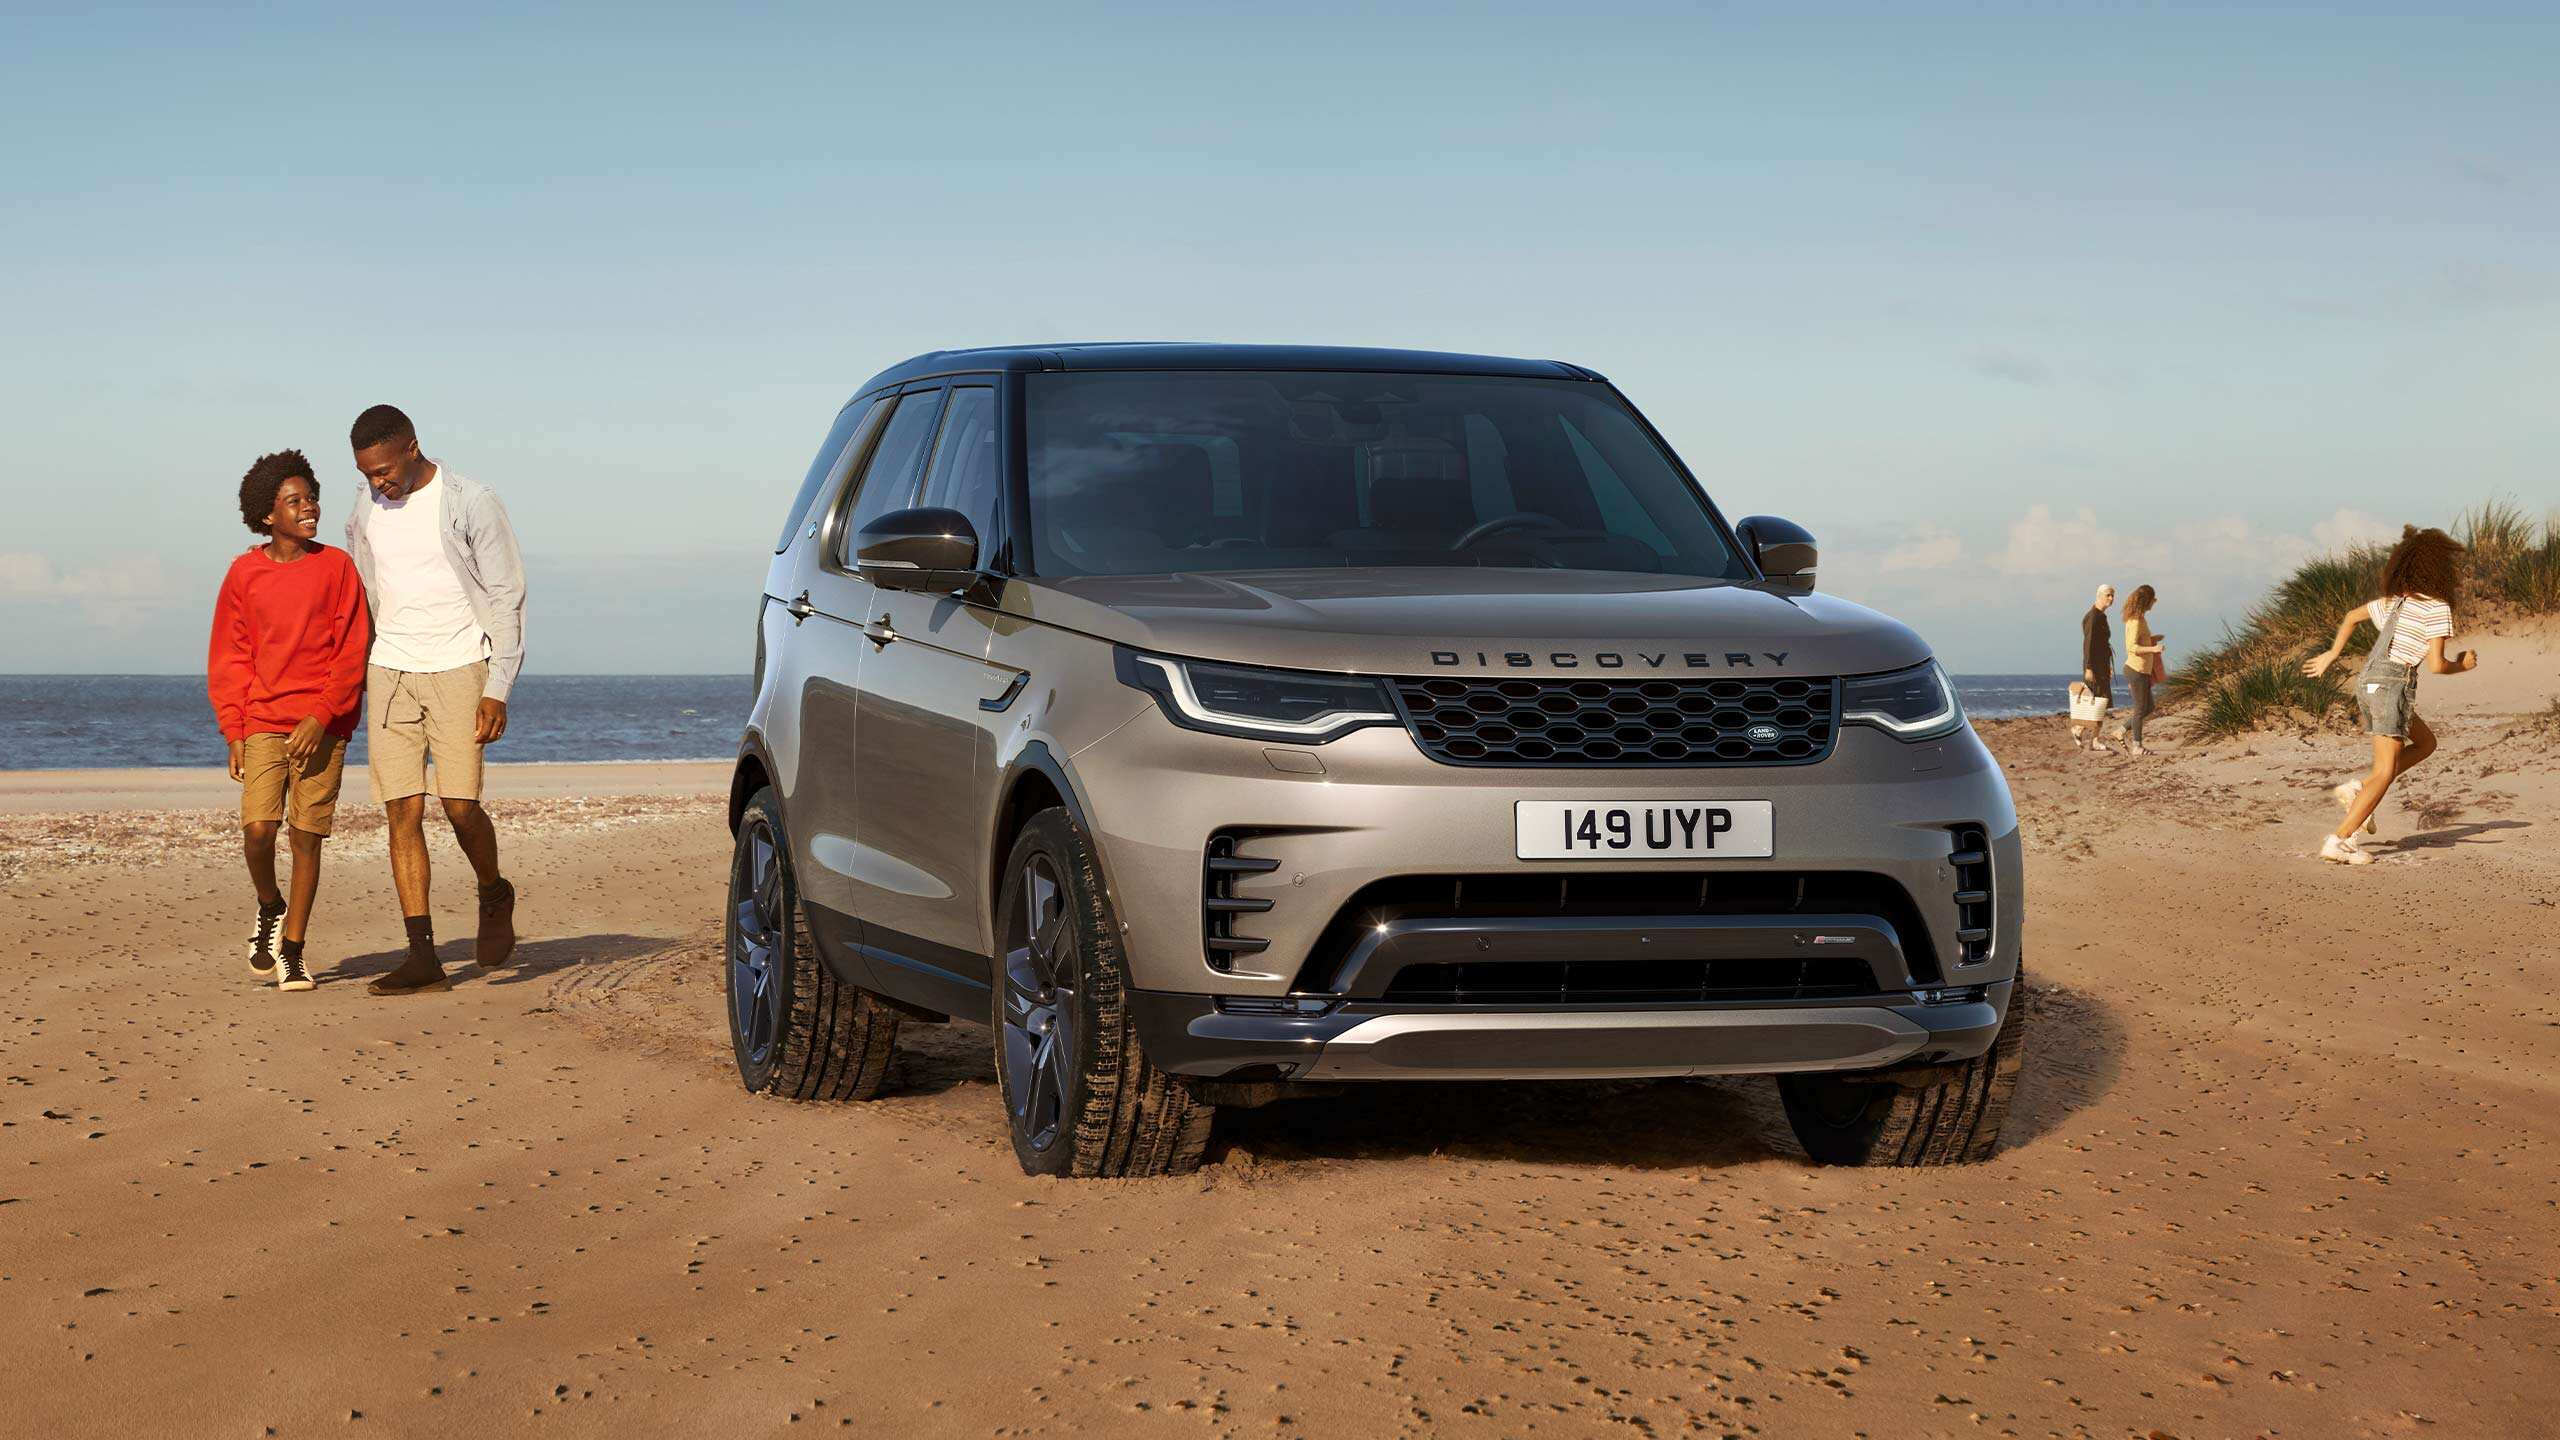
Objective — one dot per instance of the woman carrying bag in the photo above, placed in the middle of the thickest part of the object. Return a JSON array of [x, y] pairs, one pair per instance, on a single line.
[[2143, 665]]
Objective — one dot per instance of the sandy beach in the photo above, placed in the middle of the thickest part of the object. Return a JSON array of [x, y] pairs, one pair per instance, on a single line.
[[2284, 1162]]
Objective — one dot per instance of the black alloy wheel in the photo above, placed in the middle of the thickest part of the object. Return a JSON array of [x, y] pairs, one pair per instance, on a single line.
[[759, 937], [1038, 1043], [798, 1029], [1080, 1095]]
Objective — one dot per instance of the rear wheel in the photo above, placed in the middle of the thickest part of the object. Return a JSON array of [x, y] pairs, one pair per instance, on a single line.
[[798, 1030], [1940, 1115], [1080, 1096]]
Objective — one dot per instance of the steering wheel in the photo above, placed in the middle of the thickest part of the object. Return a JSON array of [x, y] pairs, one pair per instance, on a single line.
[[1504, 525]]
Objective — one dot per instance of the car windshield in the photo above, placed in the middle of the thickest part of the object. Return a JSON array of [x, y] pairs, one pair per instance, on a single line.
[[1151, 473]]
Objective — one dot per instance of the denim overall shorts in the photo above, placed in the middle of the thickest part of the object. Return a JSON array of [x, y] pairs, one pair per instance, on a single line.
[[2387, 691]]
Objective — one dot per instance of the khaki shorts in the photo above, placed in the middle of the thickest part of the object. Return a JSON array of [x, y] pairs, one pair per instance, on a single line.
[[411, 718], [304, 796]]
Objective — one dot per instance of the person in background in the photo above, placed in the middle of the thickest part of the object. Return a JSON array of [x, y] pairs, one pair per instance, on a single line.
[[440, 562], [2097, 667], [2143, 666], [2415, 617], [283, 670]]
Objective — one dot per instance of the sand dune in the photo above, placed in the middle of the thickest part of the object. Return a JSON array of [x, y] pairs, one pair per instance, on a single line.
[[2284, 1165]]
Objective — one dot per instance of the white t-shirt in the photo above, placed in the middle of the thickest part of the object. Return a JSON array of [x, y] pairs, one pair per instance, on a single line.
[[422, 620], [2421, 619]]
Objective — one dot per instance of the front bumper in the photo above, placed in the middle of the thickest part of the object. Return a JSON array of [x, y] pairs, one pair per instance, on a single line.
[[1194, 1035], [1369, 807]]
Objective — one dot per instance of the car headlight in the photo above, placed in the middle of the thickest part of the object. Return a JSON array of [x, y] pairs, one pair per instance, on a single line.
[[1913, 704], [1247, 700]]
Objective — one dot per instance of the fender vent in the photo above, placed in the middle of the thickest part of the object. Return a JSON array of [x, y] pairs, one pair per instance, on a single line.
[[1220, 906], [1972, 863]]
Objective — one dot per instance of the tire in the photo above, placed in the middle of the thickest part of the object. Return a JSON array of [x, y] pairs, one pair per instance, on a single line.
[[799, 1030], [1936, 1115], [1080, 1096]]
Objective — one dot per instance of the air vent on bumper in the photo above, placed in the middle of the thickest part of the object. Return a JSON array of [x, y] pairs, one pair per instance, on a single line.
[[1220, 905], [1972, 864]]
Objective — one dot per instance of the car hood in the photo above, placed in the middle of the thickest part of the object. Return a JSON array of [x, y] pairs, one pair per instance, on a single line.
[[1461, 621]]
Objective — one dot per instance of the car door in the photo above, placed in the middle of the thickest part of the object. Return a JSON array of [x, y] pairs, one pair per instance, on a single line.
[[831, 609], [929, 707]]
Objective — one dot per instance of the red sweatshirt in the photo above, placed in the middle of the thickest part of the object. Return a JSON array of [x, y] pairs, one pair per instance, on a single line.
[[288, 641]]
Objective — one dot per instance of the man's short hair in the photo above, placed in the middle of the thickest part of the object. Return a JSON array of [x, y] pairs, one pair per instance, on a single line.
[[258, 488], [382, 422]]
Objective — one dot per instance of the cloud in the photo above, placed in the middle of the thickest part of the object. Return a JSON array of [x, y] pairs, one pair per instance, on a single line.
[[26, 575], [2010, 365], [120, 597], [1932, 549], [2348, 529]]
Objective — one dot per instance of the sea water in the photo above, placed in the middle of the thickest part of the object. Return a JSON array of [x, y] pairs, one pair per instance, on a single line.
[[61, 722]]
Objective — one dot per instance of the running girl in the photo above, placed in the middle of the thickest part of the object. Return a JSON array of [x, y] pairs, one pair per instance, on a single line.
[[2415, 615]]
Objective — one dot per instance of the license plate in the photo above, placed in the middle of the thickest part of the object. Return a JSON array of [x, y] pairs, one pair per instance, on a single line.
[[1644, 830]]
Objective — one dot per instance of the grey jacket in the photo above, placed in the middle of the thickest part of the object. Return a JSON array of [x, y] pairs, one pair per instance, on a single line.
[[481, 547]]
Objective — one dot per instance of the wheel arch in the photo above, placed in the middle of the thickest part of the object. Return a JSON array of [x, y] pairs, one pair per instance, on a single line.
[[1034, 782], [752, 774]]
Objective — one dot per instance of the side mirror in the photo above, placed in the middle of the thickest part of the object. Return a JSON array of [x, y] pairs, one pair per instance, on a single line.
[[927, 548], [1783, 550]]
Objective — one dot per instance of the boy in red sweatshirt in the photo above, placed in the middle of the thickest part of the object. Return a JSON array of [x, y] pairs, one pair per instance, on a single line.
[[284, 672]]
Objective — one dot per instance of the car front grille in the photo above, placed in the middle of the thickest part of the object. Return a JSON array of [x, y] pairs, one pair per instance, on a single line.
[[1631, 722], [1608, 894]]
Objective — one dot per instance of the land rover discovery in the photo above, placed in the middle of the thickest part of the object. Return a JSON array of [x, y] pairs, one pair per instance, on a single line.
[[1225, 723]]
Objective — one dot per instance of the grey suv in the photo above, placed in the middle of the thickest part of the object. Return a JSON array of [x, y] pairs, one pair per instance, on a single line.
[[1226, 723]]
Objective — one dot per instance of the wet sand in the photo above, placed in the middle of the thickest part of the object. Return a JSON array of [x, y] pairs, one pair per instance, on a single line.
[[2284, 1164]]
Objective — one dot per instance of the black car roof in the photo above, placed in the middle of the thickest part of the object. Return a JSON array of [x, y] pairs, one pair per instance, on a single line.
[[1176, 355]]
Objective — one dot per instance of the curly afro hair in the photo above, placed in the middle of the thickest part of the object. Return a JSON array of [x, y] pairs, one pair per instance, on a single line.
[[2425, 562], [258, 487]]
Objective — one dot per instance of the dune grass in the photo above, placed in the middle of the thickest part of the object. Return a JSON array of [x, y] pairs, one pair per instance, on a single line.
[[2253, 677]]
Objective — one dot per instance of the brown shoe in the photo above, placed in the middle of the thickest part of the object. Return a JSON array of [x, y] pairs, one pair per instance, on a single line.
[[497, 924], [419, 972]]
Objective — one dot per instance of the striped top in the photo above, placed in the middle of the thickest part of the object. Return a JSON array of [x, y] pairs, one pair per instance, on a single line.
[[2422, 619]]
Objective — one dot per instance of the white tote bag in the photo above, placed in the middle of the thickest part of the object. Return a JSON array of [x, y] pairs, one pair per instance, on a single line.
[[2088, 706]]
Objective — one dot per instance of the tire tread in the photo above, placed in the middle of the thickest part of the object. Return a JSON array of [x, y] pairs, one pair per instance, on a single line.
[[1957, 1122], [837, 1041]]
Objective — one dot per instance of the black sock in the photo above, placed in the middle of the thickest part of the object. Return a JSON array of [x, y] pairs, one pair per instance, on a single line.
[[271, 907], [422, 935], [293, 949]]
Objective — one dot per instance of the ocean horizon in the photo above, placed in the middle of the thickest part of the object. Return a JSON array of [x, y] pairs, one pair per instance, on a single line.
[[79, 722]]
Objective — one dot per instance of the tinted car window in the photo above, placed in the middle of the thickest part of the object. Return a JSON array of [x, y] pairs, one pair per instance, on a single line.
[[830, 452], [1142, 473], [964, 475], [889, 482]]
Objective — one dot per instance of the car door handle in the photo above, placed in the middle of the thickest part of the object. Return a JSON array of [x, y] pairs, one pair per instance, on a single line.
[[880, 632], [799, 608]]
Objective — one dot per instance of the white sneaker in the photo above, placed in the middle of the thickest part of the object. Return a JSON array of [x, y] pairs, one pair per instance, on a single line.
[[292, 973], [262, 942], [2345, 852], [2345, 793]]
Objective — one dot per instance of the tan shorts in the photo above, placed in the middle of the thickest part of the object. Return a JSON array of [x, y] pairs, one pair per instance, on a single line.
[[304, 796], [411, 718]]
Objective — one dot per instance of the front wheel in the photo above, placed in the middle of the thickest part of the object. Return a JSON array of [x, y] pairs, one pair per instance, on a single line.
[[1944, 1115], [799, 1031], [1080, 1096]]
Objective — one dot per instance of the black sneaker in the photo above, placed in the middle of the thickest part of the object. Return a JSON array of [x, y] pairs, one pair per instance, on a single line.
[[292, 974], [417, 973], [262, 945], [497, 925]]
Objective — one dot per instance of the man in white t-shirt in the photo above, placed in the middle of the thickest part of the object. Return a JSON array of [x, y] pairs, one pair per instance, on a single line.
[[441, 567]]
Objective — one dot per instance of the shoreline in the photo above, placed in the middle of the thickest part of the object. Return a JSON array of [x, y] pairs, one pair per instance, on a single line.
[[210, 787]]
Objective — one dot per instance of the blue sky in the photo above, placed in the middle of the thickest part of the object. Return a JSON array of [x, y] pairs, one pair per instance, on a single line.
[[1999, 301]]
